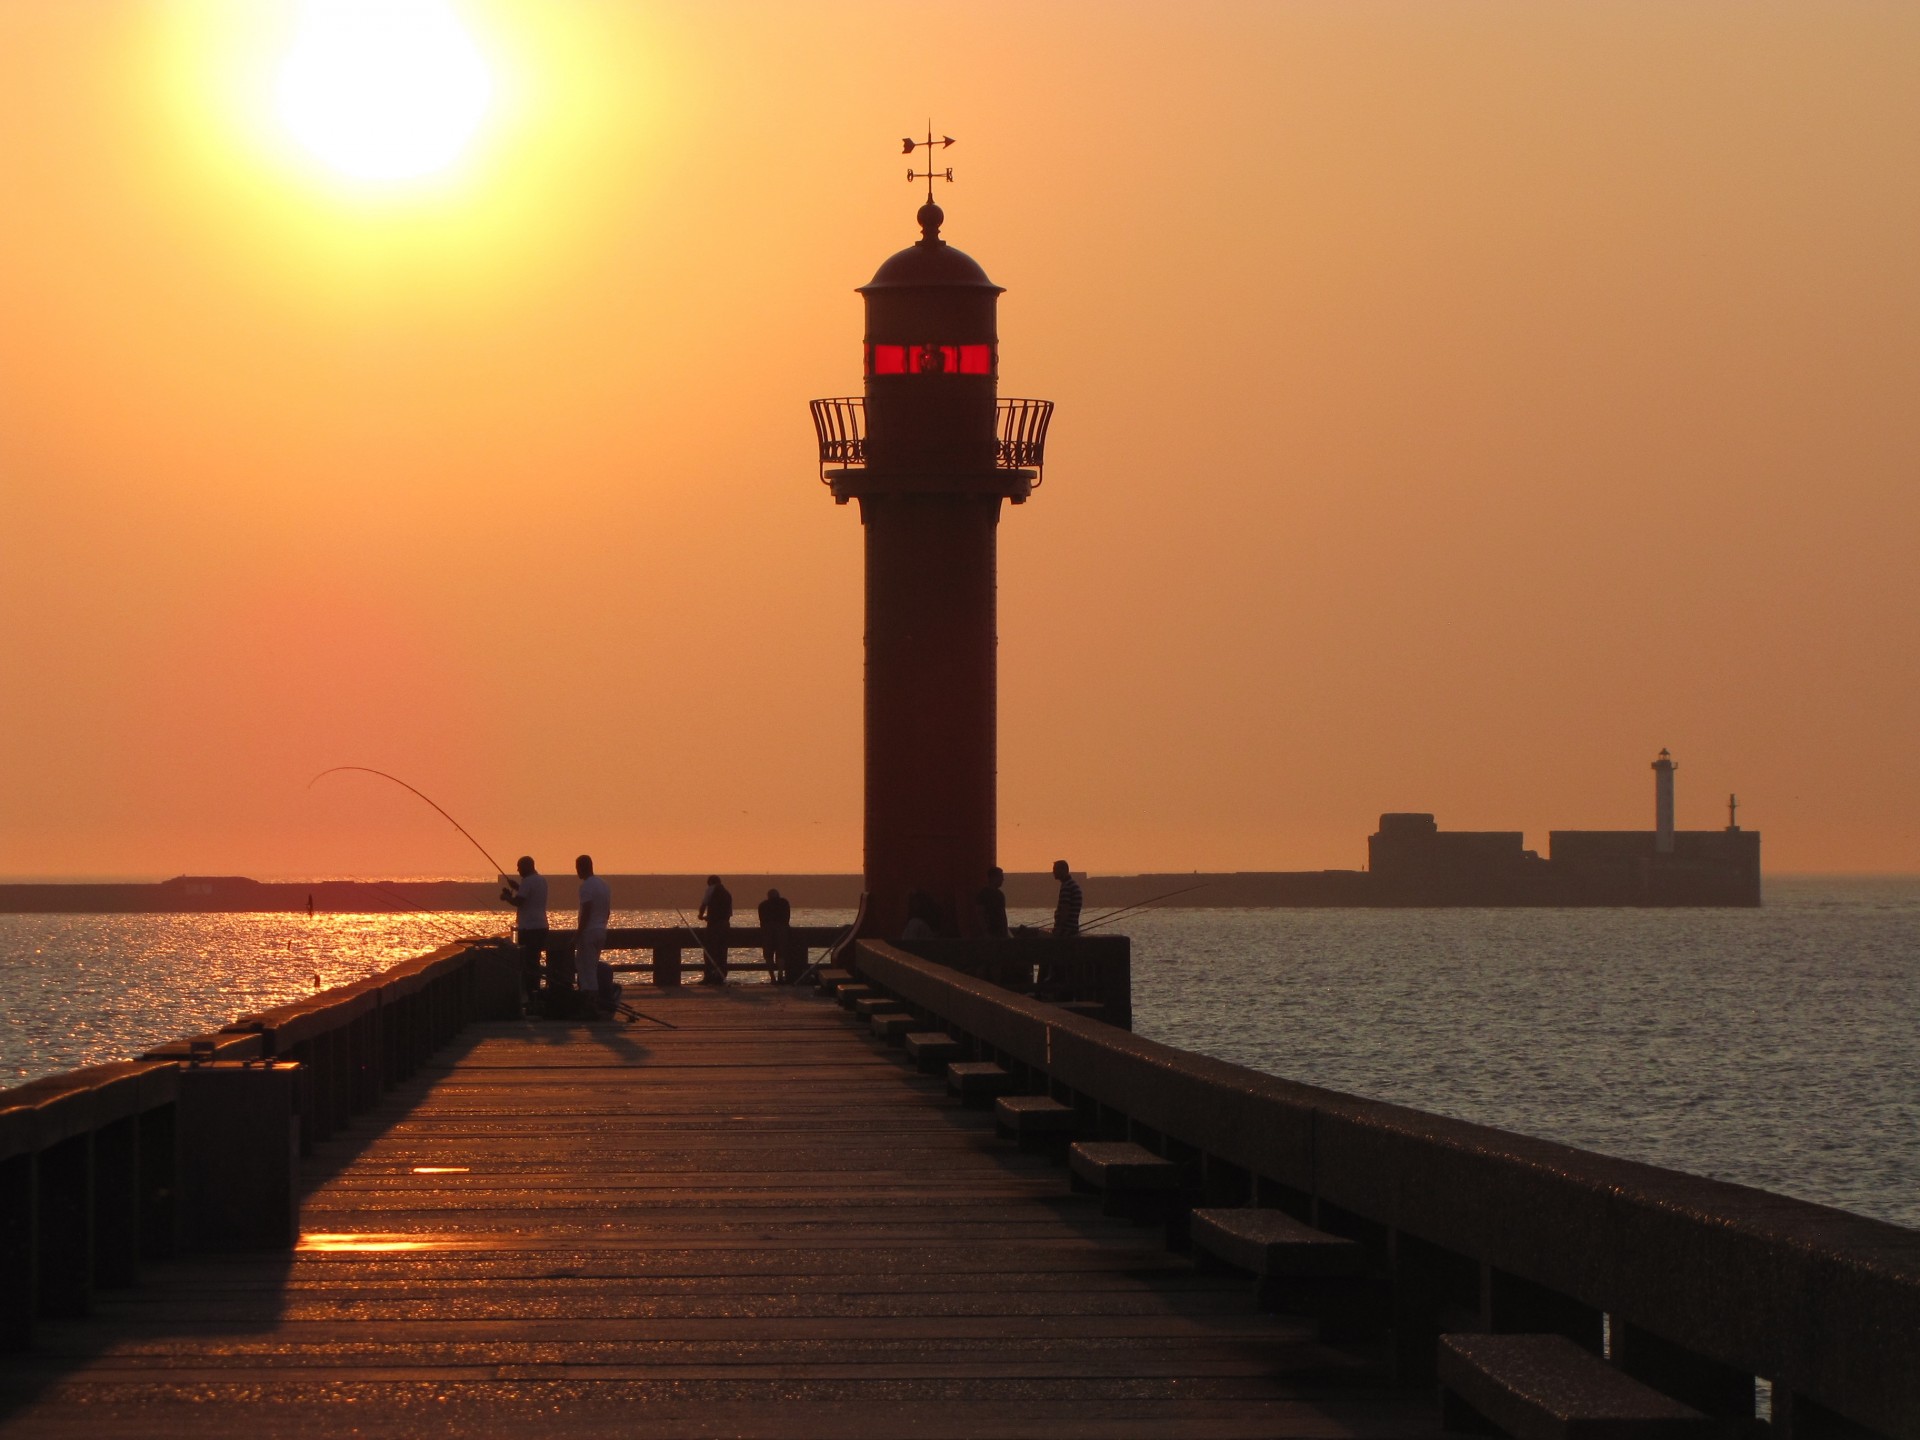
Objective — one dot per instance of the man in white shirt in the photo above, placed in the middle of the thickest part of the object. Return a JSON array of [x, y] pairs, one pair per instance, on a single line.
[[596, 905], [528, 896]]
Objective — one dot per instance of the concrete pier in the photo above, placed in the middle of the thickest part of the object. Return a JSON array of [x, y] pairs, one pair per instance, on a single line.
[[757, 1212], [759, 1222]]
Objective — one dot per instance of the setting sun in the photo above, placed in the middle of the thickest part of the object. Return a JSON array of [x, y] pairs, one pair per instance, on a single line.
[[383, 90]]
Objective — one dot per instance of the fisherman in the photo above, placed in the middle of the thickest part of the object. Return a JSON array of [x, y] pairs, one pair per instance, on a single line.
[[596, 907], [716, 908], [991, 903], [528, 896], [1057, 968], [776, 933], [1066, 912]]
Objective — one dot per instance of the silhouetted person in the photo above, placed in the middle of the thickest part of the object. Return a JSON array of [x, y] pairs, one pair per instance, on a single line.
[[776, 933], [596, 906], [991, 903], [528, 896], [1056, 968], [924, 920], [716, 908], [1066, 911]]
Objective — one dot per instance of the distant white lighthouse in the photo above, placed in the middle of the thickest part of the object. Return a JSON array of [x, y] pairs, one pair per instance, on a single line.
[[1663, 769]]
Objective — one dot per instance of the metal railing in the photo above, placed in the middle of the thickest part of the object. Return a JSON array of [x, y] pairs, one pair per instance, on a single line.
[[1020, 433], [841, 425]]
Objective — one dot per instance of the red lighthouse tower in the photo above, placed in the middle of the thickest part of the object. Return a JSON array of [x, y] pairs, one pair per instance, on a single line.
[[930, 452]]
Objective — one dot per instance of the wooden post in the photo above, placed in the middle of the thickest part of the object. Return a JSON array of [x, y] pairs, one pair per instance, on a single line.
[[19, 1285], [65, 1214], [116, 1202], [239, 1153]]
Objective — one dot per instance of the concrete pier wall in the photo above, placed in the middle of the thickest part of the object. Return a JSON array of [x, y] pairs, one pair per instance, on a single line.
[[196, 1144], [1695, 1285]]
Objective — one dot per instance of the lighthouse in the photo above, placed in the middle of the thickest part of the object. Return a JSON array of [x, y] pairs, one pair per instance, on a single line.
[[930, 452], [1663, 769]]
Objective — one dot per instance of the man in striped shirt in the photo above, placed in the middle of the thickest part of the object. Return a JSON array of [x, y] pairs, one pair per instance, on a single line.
[[1066, 914]]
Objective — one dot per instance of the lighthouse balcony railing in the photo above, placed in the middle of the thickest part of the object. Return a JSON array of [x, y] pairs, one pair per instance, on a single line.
[[841, 426], [1020, 433]]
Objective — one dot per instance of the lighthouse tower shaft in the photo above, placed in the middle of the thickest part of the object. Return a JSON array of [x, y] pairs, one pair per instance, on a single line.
[[1663, 769], [929, 453], [931, 700]]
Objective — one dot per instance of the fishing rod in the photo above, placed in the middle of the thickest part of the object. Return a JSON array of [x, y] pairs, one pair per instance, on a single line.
[[706, 960], [634, 1012], [1143, 904], [498, 868]]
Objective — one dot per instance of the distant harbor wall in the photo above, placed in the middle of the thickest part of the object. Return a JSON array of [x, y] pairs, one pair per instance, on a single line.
[[1616, 879], [237, 894]]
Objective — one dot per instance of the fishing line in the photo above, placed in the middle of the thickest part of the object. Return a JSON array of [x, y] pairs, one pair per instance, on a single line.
[[1143, 904], [388, 901], [498, 868], [442, 926]]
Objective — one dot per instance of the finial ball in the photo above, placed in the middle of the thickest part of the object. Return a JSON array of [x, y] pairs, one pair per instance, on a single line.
[[930, 217]]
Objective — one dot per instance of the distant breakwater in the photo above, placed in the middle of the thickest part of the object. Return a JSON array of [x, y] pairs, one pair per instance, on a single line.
[[1201, 890], [234, 894]]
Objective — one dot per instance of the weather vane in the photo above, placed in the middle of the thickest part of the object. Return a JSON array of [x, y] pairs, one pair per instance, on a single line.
[[909, 145]]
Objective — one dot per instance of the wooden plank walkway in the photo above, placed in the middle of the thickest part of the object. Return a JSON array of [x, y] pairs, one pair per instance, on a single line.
[[758, 1223]]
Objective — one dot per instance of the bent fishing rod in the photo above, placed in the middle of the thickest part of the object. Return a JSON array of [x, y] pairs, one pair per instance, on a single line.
[[421, 794], [498, 868]]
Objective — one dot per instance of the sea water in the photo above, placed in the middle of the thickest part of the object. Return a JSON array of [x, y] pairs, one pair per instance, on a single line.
[[1778, 1047]]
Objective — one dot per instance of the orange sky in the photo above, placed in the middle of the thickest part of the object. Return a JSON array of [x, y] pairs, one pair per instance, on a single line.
[[1456, 404]]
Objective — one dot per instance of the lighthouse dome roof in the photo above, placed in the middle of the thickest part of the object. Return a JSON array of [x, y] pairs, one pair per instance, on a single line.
[[930, 262]]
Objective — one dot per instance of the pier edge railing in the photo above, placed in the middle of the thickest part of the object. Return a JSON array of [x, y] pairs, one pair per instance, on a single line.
[[195, 1145], [1695, 1286]]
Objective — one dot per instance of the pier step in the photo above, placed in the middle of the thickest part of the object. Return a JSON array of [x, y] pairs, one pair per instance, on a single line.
[[1273, 1245], [1131, 1181], [891, 1026], [1113, 1166], [933, 1050], [832, 979], [1545, 1387], [1035, 1121], [1297, 1269], [868, 1006], [846, 995], [977, 1082]]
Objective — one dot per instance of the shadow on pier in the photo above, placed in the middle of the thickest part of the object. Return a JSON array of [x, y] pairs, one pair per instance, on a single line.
[[754, 1223]]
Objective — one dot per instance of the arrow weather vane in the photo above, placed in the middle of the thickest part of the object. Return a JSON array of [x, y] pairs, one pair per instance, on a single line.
[[909, 145]]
